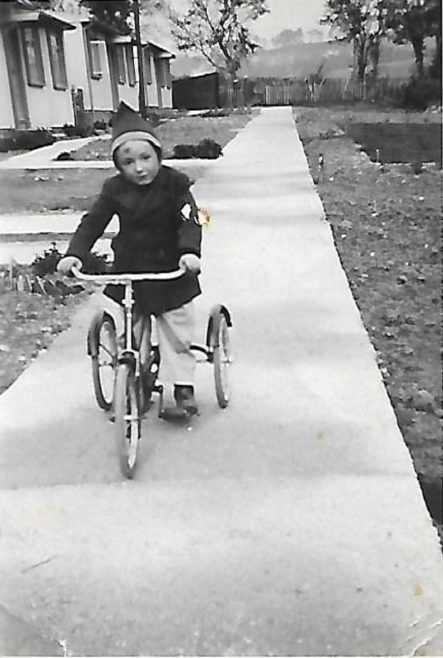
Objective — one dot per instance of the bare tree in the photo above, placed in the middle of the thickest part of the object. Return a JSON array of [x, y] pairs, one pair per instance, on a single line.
[[218, 30]]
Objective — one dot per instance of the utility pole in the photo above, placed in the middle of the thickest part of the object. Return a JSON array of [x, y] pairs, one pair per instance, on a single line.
[[141, 73]]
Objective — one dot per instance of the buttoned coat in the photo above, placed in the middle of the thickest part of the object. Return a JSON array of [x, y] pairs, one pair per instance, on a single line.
[[153, 234]]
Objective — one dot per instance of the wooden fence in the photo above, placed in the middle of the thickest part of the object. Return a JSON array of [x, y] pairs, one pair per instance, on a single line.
[[213, 90], [297, 91]]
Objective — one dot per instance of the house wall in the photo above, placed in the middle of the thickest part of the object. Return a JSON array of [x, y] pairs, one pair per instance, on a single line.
[[126, 92], [151, 89], [76, 66], [48, 107], [6, 113], [166, 93], [101, 89]]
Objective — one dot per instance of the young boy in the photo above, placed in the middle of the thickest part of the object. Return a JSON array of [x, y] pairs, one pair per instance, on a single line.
[[159, 232]]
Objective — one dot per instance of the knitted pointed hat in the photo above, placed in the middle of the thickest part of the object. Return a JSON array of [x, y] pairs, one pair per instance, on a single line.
[[127, 125]]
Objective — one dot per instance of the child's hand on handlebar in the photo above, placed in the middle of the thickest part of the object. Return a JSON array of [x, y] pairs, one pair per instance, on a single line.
[[67, 263], [190, 262]]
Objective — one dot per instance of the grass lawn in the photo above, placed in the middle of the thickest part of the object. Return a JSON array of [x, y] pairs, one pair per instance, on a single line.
[[386, 225], [74, 189], [183, 130], [49, 189], [44, 190]]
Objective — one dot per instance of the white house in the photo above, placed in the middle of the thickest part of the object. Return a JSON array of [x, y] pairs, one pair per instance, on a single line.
[[158, 75], [33, 73], [103, 68], [58, 68]]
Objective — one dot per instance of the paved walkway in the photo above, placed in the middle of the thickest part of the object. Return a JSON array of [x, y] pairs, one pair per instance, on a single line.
[[290, 524]]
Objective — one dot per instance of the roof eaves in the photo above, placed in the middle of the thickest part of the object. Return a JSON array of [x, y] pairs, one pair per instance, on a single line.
[[106, 29], [49, 18], [159, 48]]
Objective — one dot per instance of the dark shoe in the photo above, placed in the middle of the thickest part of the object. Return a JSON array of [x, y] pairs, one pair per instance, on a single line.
[[185, 400]]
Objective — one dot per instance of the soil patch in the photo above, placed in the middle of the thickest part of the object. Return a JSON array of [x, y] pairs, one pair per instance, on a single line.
[[398, 142], [386, 226], [29, 323]]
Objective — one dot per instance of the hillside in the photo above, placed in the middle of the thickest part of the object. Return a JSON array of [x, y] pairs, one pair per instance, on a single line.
[[299, 60]]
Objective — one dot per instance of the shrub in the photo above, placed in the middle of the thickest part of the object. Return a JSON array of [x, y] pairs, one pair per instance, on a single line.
[[100, 125], [77, 131], [64, 155], [217, 112], [26, 139], [208, 149], [182, 151], [421, 92], [154, 118], [48, 261]]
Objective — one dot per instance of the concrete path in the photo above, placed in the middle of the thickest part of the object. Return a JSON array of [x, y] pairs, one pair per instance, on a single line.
[[25, 236], [291, 523], [45, 155]]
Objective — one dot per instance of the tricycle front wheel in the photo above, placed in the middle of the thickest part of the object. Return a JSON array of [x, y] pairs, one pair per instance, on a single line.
[[127, 418], [103, 350]]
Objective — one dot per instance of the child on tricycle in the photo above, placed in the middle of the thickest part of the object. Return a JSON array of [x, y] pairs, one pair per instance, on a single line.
[[159, 232]]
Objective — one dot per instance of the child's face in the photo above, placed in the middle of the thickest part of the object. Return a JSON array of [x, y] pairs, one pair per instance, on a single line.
[[138, 161]]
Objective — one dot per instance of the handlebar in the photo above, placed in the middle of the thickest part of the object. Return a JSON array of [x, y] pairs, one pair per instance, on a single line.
[[120, 279]]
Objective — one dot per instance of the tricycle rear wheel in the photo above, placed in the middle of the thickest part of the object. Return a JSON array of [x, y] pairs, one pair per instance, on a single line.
[[220, 350]]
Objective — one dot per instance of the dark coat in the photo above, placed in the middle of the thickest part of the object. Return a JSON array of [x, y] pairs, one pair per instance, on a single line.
[[153, 235]]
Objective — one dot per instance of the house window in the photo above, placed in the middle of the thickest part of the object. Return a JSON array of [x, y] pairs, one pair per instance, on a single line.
[[96, 56], [160, 71], [167, 71], [57, 60], [131, 66], [33, 56], [163, 73], [148, 70], [121, 69]]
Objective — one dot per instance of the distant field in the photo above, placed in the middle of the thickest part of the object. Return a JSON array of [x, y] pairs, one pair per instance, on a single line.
[[300, 60], [336, 57]]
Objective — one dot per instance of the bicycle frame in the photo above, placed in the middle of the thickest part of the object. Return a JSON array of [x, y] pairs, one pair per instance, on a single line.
[[130, 352]]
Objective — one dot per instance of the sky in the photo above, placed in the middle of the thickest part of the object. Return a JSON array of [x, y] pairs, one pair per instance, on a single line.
[[283, 14], [289, 14]]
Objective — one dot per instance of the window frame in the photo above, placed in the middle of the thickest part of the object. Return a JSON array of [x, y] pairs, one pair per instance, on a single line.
[[167, 73], [160, 72], [35, 78], [130, 65], [120, 60], [57, 60], [147, 67], [95, 47]]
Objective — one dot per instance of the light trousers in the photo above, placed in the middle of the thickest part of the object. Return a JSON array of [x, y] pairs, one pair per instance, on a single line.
[[175, 332]]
